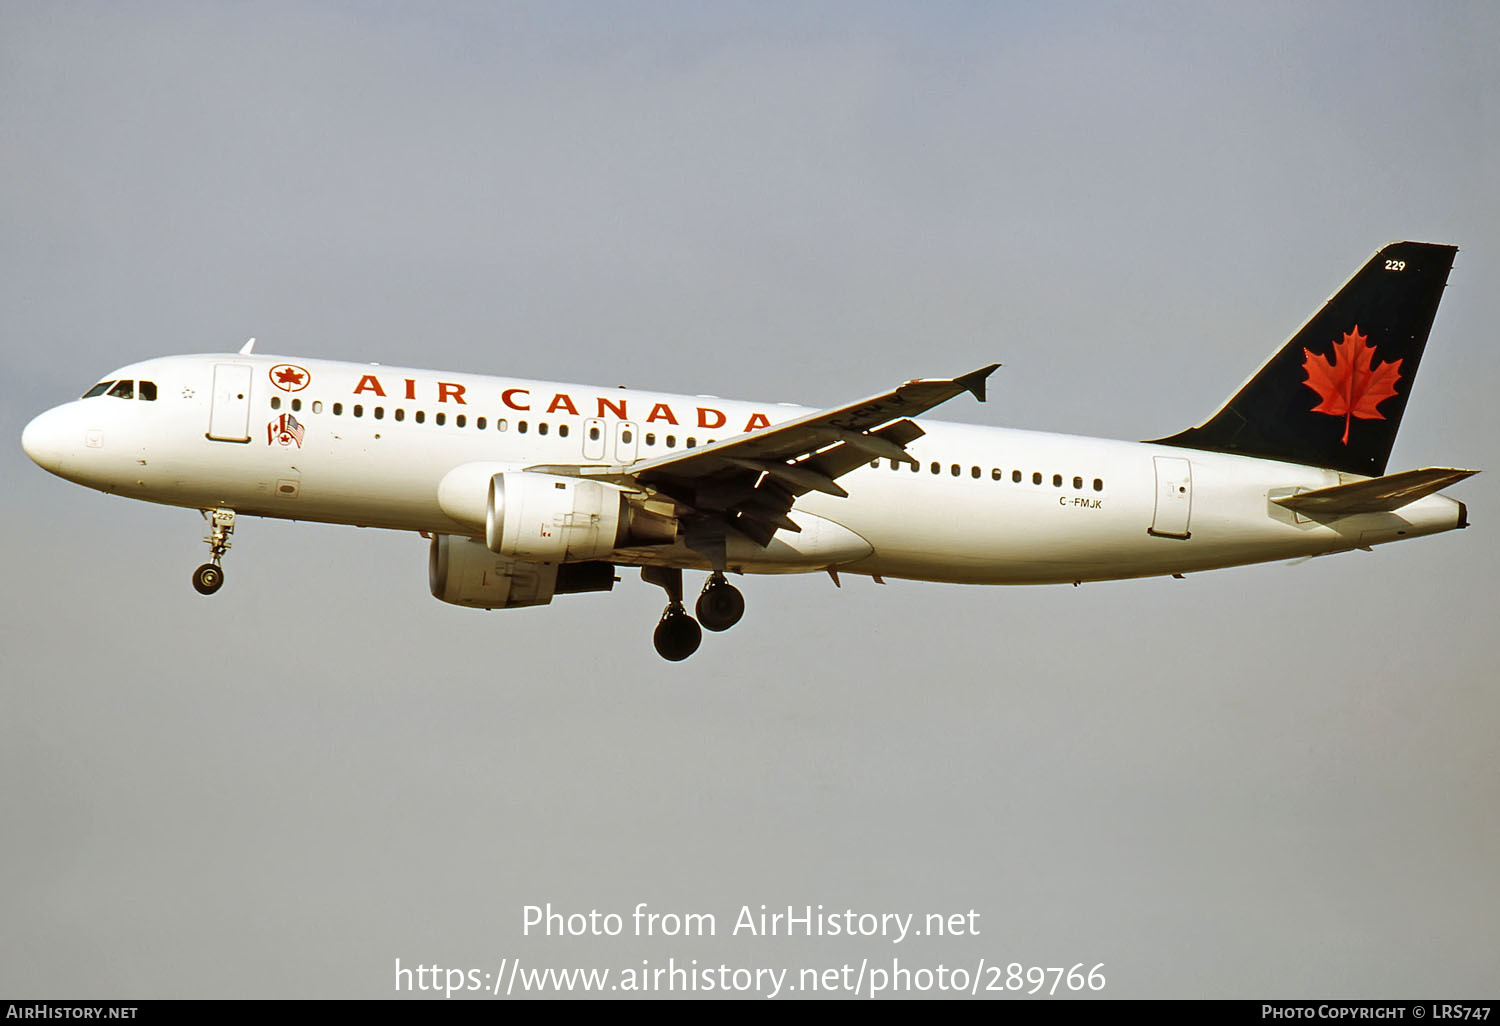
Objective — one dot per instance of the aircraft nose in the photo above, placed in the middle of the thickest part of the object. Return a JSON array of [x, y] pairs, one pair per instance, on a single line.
[[43, 440]]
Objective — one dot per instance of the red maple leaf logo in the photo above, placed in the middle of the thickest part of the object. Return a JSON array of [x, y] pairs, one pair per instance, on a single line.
[[289, 377], [1348, 385]]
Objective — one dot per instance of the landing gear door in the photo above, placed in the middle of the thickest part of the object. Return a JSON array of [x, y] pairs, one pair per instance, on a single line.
[[230, 419], [1174, 498]]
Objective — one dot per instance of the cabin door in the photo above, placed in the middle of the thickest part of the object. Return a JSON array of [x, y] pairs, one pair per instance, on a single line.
[[230, 419]]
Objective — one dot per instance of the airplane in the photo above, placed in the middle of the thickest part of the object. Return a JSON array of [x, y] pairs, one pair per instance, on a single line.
[[527, 490]]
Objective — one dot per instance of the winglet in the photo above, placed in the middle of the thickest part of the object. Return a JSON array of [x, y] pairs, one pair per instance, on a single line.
[[974, 380], [247, 348]]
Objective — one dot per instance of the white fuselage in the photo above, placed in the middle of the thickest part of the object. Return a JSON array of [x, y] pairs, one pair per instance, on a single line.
[[983, 506]]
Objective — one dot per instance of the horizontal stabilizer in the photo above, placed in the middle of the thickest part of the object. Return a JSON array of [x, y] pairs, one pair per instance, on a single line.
[[1377, 495]]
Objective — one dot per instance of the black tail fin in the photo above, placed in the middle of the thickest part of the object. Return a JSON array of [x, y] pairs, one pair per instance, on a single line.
[[1333, 396]]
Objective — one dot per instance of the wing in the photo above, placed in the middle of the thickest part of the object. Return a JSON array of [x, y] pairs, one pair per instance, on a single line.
[[749, 483]]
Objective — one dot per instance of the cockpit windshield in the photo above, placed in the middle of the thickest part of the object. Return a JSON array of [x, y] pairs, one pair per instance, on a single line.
[[124, 389]]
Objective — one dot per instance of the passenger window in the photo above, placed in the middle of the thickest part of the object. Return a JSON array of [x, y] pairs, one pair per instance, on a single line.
[[541, 429], [521, 426], [671, 441], [997, 474], [650, 437], [1098, 484], [1036, 477], [937, 468], [594, 434], [359, 411], [275, 402], [501, 424], [479, 424], [562, 431], [98, 389], [460, 420], [956, 469], [296, 404], [400, 413], [692, 443], [916, 468], [974, 472], [123, 390], [1078, 483], [874, 464], [1056, 480], [1015, 475], [146, 390], [379, 412], [440, 419], [338, 409], [420, 416], [317, 406]]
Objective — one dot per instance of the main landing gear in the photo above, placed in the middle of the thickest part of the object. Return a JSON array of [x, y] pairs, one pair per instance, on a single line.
[[678, 635], [209, 577], [721, 605]]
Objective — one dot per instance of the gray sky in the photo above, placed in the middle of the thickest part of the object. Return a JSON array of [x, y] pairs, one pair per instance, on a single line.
[[1268, 781]]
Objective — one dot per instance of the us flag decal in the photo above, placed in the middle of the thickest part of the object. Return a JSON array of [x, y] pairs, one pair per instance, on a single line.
[[285, 429]]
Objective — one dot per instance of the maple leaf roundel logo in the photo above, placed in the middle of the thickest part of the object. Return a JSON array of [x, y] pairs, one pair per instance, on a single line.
[[289, 377], [1348, 385]]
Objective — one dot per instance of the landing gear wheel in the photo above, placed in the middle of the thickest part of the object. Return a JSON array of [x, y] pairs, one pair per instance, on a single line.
[[208, 578], [721, 605], [677, 635]]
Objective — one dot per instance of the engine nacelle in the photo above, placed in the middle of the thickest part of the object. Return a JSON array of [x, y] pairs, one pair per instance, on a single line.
[[550, 518], [466, 573]]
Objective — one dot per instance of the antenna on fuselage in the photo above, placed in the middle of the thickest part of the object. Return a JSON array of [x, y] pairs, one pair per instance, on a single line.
[[247, 348]]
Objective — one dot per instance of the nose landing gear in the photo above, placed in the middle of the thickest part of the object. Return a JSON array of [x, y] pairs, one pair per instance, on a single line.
[[209, 577]]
